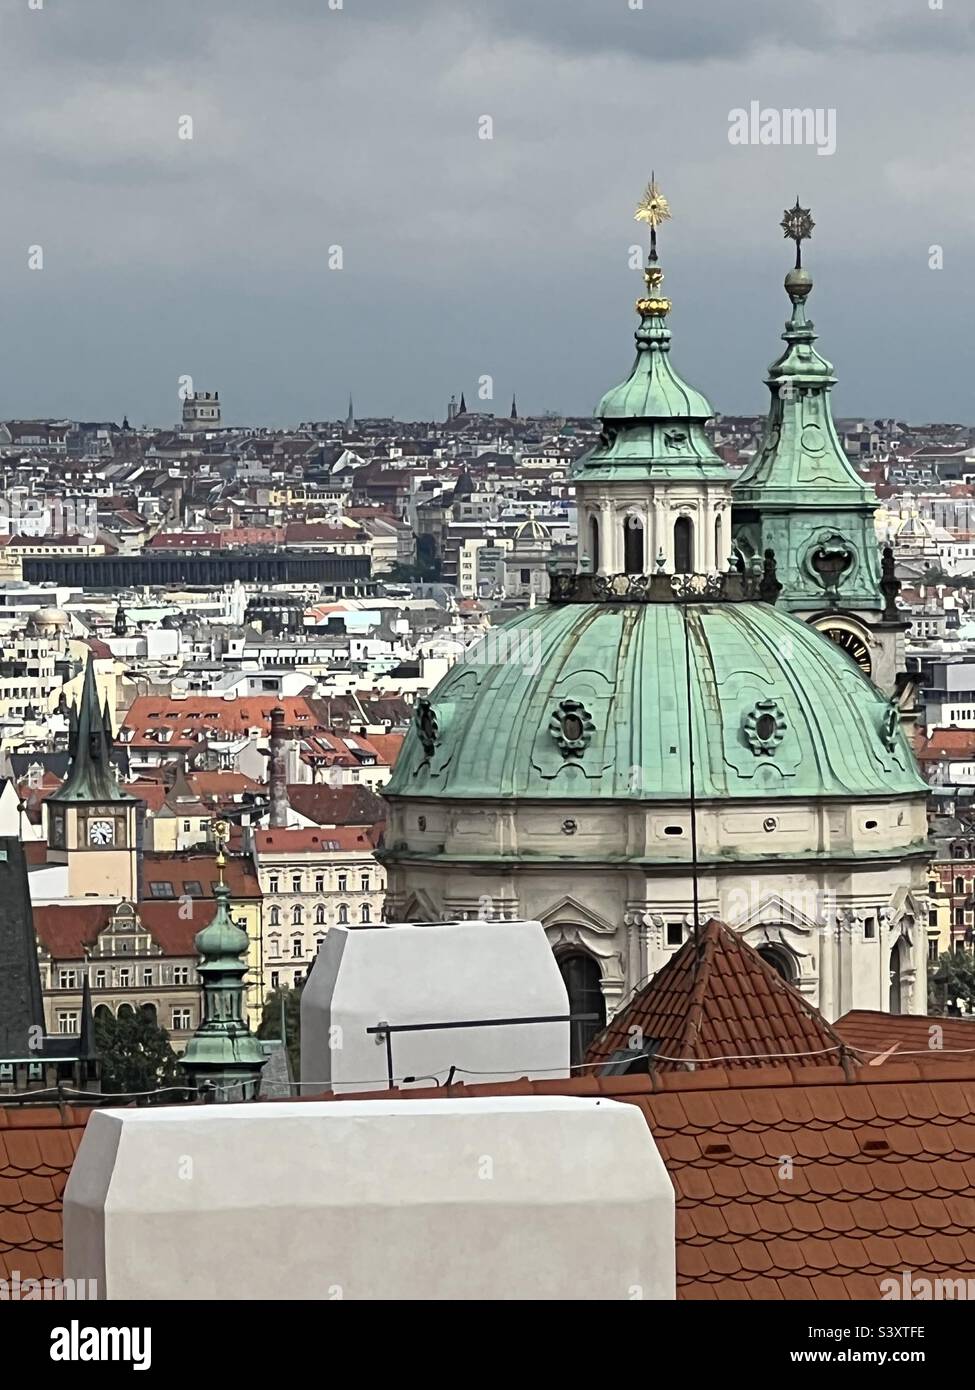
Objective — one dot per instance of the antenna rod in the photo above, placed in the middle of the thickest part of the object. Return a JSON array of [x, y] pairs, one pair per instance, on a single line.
[[693, 799]]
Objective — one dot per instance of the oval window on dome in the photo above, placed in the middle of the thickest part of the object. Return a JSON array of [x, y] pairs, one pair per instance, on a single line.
[[572, 727], [765, 726]]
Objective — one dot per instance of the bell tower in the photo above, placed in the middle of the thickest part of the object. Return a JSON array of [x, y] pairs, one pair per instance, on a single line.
[[90, 819], [801, 497]]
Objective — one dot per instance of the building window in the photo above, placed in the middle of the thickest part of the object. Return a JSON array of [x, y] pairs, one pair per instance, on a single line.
[[932, 887], [274, 979], [580, 972], [187, 827], [161, 890], [675, 933], [633, 545], [101, 976], [147, 975], [274, 918], [273, 884], [959, 917], [319, 916], [683, 545], [299, 977], [124, 977], [959, 885], [869, 928], [932, 918], [297, 916], [343, 914], [319, 883], [296, 948], [780, 960], [594, 544], [182, 1020], [343, 883], [68, 1021], [364, 884], [193, 888], [296, 883], [181, 974], [364, 915], [67, 979]]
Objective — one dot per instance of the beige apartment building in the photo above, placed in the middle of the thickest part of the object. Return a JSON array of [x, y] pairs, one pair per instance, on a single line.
[[312, 879]]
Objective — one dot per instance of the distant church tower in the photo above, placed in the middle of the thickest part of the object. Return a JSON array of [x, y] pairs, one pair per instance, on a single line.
[[802, 498], [201, 411], [350, 418], [91, 821]]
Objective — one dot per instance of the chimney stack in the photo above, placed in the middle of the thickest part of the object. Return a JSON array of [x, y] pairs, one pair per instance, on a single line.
[[278, 774]]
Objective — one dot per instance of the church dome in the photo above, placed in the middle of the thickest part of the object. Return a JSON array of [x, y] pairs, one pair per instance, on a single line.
[[589, 701], [49, 620], [532, 530]]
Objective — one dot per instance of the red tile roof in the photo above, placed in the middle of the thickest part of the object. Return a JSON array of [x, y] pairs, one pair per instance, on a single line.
[[355, 804], [718, 999], [37, 1147], [304, 840], [66, 930], [797, 1182], [198, 718], [179, 869], [873, 1034]]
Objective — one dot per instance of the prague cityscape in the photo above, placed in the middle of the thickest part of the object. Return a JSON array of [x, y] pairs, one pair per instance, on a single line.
[[470, 830]]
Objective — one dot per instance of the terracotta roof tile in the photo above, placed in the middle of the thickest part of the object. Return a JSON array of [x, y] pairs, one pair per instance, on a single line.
[[717, 998], [37, 1148]]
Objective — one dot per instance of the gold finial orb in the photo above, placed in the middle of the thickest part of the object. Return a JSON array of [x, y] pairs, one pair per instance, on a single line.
[[653, 208]]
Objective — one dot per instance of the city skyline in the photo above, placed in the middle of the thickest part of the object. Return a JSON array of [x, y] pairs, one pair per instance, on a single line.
[[164, 256]]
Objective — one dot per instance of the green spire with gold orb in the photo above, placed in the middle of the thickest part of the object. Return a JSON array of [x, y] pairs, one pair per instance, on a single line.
[[223, 1051], [653, 422]]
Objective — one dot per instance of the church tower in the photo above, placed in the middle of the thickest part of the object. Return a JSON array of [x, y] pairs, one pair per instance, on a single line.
[[223, 1051], [91, 820], [653, 494], [802, 498]]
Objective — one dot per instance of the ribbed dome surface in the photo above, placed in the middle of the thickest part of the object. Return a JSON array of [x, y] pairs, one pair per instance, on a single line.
[[589, 701]]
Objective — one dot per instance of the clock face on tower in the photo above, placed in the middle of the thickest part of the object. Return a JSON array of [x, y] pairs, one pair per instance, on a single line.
[[851, 643], [101, 832]]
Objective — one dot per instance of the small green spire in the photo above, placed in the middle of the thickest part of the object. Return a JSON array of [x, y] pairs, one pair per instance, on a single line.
[[653, 422], [223, 1051], [800, 495]]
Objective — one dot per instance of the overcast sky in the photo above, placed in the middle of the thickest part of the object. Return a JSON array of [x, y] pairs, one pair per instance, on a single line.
[[358, 128]]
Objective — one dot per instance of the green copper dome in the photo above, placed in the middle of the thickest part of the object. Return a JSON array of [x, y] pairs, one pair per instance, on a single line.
[[589, 701]]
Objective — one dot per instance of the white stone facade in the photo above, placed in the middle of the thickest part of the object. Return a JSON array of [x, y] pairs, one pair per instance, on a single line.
[[832, 892]]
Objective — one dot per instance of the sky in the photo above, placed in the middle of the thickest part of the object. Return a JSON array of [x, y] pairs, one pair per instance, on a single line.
[[411, 198]]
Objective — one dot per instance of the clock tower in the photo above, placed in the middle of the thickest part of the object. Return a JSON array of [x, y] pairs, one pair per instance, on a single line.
[[802, 498], [91, 820]]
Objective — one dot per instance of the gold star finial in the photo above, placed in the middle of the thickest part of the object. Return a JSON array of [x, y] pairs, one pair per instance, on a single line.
[[653, 207], [797, 224]]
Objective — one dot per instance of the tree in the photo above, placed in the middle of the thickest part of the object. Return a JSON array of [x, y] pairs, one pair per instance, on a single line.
[[271, 1022], [136, 1054], [953, 979]]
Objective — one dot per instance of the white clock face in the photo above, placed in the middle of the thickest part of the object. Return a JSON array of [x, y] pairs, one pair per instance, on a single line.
[[101, 832]]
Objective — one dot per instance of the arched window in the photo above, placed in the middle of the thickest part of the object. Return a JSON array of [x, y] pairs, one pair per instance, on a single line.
[[897, 1002], [297, 916], [343, 914], [126, 1011], [149, 1013], [683, 545], [581, 975], [717, 543], [102, 1012], [274, 919], [319, 916], [780, 960], [594, 543], [364, 915], [633, 545]]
